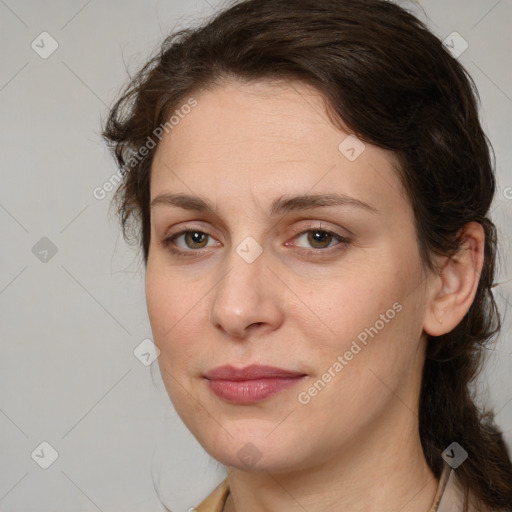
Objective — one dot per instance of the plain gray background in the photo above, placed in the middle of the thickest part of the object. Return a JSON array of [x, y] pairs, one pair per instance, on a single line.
[[70, 321]]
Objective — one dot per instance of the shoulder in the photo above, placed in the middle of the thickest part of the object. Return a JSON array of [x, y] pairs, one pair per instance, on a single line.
[[453, 496], [215, 501], [449, 498]]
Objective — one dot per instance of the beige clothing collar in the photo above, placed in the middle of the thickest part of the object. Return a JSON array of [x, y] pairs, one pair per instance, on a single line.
[[449, 496]]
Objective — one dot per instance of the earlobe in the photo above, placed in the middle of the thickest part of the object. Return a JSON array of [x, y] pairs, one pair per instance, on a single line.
[[453, 289]]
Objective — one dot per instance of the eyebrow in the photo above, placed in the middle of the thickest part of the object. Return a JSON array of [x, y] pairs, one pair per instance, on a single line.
[[280, 205]]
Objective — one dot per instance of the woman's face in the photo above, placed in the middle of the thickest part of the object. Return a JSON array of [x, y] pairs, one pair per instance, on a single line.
[[301, 255]]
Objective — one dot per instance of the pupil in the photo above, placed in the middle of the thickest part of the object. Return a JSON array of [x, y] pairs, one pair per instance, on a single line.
[[196, 237], [319, 237]]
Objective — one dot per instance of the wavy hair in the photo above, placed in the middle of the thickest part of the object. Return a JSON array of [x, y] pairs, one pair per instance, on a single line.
[[387, 78]]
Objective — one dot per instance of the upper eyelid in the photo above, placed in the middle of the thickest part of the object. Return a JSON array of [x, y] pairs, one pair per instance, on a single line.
[[321, 230], [195, 225], [172, 237], [341, 239], [326, 229], [297, 233]]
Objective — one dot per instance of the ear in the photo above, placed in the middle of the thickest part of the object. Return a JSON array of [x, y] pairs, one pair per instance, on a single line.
[[452, 291]]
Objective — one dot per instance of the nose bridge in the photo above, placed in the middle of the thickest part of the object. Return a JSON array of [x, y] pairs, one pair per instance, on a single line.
[[245, 296]]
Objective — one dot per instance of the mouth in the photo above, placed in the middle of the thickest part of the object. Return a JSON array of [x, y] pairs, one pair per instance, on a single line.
[[251, 384]]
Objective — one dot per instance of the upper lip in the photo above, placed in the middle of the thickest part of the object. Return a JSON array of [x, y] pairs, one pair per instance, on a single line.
[[254, 371]]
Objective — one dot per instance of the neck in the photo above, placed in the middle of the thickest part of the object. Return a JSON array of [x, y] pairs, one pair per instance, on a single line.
[[379, 471]]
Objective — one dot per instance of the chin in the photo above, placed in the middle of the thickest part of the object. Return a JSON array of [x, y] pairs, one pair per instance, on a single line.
[[255, 453]]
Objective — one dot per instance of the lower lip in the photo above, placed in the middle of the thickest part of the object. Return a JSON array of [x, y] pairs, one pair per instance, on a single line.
[[250, 391]]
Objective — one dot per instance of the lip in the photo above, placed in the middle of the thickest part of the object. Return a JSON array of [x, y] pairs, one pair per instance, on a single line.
[[254, 371], [250, 384]]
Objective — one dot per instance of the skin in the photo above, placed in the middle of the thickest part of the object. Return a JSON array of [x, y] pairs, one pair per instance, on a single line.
[[355, 445]]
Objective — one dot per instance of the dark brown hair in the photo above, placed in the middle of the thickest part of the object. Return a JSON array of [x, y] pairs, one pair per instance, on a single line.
[[387, 78]]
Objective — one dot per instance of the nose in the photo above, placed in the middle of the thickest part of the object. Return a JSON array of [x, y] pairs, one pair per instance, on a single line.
[[247, 299]]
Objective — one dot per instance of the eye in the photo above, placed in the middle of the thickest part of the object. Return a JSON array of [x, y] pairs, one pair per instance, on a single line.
[[191, 239], [190, 242], [320, 239]]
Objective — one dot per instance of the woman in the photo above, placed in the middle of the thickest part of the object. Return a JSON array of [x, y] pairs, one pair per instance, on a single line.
[[310, 186]]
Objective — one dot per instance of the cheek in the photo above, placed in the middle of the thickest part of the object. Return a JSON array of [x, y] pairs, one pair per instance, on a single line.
[[368, 317], [170, 300], [160, 304], [178, 315], [356, 302]]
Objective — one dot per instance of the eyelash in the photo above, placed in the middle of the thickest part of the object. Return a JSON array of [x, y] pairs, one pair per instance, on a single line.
[[168, 242]]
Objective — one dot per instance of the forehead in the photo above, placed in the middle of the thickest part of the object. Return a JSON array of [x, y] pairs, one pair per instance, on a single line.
[[267, 138]]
